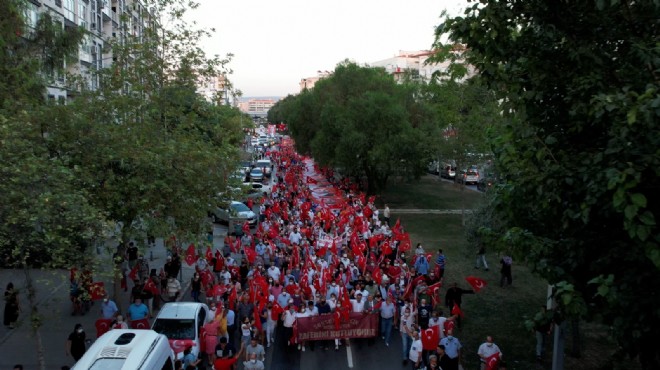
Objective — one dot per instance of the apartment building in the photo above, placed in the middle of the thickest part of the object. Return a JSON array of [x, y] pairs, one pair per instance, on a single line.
[[256, 107], [414, 63], [308, 83], [214, 89], [106, 21]]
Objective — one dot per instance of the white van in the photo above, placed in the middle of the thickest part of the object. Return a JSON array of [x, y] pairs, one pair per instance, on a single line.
[[181, 323], [128, 349]]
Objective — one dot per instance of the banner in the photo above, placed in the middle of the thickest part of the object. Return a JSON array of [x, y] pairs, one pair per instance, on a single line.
[[359, 325]]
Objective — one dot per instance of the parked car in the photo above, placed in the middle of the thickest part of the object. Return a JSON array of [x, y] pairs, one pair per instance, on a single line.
[[265, 166], [256, 189], [181, 323], [448, 171], [236, 212], [256, 174], [433, 167], [469, 176]]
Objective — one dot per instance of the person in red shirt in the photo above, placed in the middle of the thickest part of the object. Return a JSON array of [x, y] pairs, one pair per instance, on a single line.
[[227, 363]]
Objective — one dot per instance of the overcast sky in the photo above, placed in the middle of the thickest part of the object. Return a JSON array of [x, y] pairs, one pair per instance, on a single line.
[[277, 43]]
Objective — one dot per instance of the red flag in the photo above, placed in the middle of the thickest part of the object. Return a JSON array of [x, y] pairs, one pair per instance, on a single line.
[[405, 244], [492, 361], [218, 290], [397, 227], [219, 263], [250, 203], [276, 311], [476, 283], [133, 274], [433, 290], [311, 180], [257, 317], [207, 277], [209, 254], [372, 199], [250, 254], [191, 255], [246, 227], [333, 249], [430, 338], [232, 298], [97, 290], [150, 286], [457, 311], [377, 275]]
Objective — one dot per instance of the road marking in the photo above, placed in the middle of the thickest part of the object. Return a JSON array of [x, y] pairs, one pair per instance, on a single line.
[[349, 355]]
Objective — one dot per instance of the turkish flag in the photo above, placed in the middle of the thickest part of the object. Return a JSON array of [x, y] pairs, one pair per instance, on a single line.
[[405, 244], [492, 361], [133, 274], [207, 277], [275, 311], [311, 181], [430, 338], [397, 227], [433, 290], [250, 203], [333, 249], [97, 290], [219, 263], [246, 227], [387, 249], [150, 286], [476, 283], [233, 296], [377, 275], [322, 252], [218, 290], [209, 254], [191, 255], [457, 311], [372, 199]]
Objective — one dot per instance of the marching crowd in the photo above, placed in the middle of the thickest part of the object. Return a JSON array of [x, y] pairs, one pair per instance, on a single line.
[[311, 255]]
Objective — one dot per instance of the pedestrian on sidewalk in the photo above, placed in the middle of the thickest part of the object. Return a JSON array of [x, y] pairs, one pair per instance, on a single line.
[[195, 287], [12, 308], [505, 271], [481, 257], [108, 308], [75, 344]]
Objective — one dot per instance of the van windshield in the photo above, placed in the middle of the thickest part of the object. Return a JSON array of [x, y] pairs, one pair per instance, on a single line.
[[175, 328]]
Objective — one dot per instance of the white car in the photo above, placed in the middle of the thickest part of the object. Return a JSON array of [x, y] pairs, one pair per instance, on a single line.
[[256, 175], [256, 189], [181, 323], [236, 212], [265, 165]]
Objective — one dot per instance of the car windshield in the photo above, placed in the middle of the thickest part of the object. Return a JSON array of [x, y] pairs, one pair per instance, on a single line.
[[472, 173], [175, 328], [239, 207], [256, 171]]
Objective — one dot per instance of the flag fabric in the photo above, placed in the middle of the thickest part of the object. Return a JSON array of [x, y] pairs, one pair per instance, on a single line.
[[377, 275], [492, 361], [275, 311], [405, 244], [150, 286], [209, 254], [433, 290], [476, 283], [430, 338], [191, 255], [133, 274], [311, 181], [97, 290], [456, 310], [250, 254], [246, 227]]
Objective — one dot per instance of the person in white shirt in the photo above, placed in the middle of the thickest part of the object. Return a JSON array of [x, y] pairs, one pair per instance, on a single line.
[[302, 313], [345, 260], [274, 272], [357, 303], [486, 350], [415, 354], [295, 236], [405, 327], [288, 318]]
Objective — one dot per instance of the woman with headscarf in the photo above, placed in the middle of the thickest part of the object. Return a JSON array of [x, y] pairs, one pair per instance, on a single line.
[[11, 306]]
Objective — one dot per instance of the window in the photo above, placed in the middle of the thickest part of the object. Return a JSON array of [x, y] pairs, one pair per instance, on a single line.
[[31, 16], [69, 10], [82, 14]]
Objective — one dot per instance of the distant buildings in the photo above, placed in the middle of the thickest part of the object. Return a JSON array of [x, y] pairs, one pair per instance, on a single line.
[[413, 63], [215, 89], [257, 107], [309, 82]]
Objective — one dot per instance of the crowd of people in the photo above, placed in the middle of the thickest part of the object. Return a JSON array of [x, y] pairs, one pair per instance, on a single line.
[[310, 255]]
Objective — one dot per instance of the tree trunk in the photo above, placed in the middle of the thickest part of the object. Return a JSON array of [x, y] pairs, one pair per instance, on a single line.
[[35, 318]]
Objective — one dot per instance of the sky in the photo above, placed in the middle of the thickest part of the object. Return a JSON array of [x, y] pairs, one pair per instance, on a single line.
[[278, 43]]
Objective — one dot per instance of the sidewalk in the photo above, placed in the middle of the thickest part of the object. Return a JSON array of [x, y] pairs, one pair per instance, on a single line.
[[19, 345]]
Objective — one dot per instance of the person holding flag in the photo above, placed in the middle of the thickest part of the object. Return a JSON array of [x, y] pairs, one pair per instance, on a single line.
[[489, 354]]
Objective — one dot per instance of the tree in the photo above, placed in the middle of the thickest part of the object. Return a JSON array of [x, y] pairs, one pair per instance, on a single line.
[[154, 153], [45, 221], [360, 121], [580, 161]]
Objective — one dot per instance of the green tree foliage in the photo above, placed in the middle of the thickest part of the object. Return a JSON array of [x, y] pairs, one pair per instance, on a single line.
[[581, 162], [359, 121]]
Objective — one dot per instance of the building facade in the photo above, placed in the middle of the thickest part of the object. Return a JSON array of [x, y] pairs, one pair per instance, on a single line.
[[256, 107], [106, 21], [414, 64], [308, 83]]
